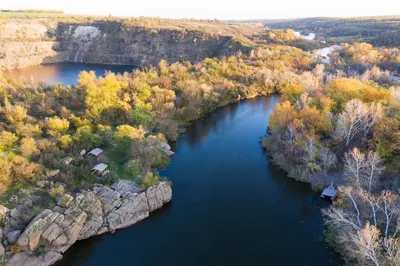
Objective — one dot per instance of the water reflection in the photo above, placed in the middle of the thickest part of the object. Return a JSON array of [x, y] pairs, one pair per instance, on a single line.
[[66, 73]]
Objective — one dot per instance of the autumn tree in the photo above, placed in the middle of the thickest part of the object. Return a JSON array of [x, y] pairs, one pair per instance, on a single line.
[[28, 147], [57, 126], [7, 140]]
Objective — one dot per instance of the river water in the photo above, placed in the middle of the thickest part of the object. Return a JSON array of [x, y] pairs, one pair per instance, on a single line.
[[230, 205]]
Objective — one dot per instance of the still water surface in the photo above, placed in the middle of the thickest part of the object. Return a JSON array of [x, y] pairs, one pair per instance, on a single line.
[[66, 73], [230, 205]]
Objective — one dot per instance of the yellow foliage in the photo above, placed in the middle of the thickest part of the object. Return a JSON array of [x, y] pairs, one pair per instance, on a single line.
[[28, 147], [129, 132], [282, 116], [56, 124]]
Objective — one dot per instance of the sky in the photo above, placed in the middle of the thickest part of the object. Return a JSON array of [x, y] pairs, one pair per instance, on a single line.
[[215, 9]]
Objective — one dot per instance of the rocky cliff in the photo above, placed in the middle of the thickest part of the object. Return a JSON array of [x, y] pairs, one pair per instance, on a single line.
[[25, 42], [41, 239]]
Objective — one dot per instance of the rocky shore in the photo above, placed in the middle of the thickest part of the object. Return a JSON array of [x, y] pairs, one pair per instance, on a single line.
[[41, 239]]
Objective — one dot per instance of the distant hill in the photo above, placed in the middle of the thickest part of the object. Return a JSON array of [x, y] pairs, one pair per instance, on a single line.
[[380, 31]]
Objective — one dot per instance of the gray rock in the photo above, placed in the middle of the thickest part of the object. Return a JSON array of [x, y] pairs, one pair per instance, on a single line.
[[166, 148], [2, 250], [53, 173], [126, 186], [110, 199], [158, 195], [31, 237], [42, 184], [31, 259], [65, 201], [3, 210], [12, 237], [134, 208], [91, 212]]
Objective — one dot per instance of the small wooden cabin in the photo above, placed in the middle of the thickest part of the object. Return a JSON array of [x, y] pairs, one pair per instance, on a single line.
[[95, 152], [329, 192], [100, 169]]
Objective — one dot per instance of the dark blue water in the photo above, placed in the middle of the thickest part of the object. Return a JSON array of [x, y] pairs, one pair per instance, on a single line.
[[66, 73], [230, 205]]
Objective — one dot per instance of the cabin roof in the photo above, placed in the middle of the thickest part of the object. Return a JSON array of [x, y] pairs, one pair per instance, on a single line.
[[329, 192], [96, 152], [100, 167]]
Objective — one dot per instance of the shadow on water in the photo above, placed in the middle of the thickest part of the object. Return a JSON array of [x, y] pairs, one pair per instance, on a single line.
[[230, 205]]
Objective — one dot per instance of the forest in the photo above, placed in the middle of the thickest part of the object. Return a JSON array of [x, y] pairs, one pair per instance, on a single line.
[[336, 123]]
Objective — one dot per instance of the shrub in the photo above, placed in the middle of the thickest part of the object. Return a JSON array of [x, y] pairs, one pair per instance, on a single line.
[[56, 191]]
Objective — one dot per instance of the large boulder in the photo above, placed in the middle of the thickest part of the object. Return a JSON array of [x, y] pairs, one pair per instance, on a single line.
[[158, 195], [12, 237], [31, 237], [134, 208]]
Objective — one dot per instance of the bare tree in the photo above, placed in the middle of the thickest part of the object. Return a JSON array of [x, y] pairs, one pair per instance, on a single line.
[[374, 113], [310, 149], [352, 195], [327, 158], [367, 242], [338, 217], [362, 170], [389, 207], [392, 247], [351, 121], [354, 164], [374, 203], [373, 169], [291, 136]]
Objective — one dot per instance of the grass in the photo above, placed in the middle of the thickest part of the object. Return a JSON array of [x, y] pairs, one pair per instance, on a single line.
[[29, 14]]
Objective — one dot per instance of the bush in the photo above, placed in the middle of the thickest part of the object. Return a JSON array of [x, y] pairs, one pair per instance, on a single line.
[[56, 191]]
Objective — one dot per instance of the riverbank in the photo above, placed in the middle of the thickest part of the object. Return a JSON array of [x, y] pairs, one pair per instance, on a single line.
[[92, 212], [231, 206]]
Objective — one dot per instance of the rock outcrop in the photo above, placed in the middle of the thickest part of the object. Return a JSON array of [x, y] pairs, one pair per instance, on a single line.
[[25, 42], [42, 239]]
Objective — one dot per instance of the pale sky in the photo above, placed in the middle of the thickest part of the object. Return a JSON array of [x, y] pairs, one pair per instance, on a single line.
[[215, 9]]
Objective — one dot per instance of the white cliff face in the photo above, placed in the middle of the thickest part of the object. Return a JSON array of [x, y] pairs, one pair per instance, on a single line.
[[86, 33], [96, 211]]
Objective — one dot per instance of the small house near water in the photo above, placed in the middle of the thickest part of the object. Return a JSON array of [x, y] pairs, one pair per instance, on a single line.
[[329, 192]]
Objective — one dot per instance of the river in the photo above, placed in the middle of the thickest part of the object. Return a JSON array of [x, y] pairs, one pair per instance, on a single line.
[[230, 205]]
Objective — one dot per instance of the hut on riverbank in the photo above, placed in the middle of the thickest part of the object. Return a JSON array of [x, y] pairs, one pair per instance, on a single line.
[[329, 192]]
